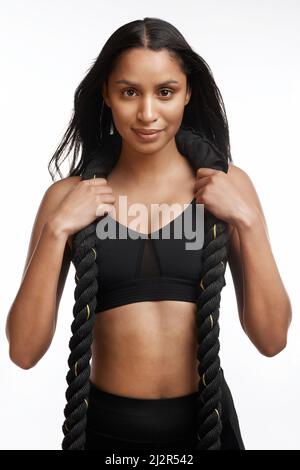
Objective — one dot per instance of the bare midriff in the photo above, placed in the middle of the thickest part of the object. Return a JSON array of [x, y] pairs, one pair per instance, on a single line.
[[146, 350]]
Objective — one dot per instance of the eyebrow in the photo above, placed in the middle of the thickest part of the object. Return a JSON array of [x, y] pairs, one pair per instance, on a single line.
[[126, 82]]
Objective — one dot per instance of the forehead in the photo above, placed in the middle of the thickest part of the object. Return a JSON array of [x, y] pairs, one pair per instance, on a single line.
[[137, 64]]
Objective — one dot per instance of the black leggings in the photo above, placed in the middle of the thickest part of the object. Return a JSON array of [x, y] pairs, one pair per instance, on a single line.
[[167, 424]]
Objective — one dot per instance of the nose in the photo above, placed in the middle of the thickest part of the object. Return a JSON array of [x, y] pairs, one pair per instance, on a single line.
[[146, 111]]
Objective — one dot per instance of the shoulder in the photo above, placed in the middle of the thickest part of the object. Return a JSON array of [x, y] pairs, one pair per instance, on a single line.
[[56, 193], [240, 176], [48, 205], [243, 181], [244, 184], [59, 189]]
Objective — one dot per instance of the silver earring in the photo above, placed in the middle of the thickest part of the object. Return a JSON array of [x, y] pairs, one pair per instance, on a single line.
[[111, 127]]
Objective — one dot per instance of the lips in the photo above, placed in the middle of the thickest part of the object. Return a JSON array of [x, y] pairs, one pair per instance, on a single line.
[[149, 137], [149, 132]]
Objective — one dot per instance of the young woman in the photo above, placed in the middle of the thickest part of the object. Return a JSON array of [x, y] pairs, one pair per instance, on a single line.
[[146, 308]]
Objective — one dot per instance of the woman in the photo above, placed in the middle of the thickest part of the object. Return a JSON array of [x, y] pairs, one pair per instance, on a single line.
[[146, 311]]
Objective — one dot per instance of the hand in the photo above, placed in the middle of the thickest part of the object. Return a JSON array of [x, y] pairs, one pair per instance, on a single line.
[[228, 196], [86, 201]]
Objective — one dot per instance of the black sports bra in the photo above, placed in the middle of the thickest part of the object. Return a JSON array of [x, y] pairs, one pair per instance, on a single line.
[[135, 267]]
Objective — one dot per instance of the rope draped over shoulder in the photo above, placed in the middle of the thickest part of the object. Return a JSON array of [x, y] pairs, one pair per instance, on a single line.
[[200, 153]]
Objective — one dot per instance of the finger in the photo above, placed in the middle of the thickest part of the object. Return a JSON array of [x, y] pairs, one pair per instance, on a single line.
[[110, 198], [201, 182], [97, 181], [103, 189], [206, 171], [199, 196], [104, 208]]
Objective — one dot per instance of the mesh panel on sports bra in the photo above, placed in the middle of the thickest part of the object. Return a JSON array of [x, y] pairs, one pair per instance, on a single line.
[[148, 266]]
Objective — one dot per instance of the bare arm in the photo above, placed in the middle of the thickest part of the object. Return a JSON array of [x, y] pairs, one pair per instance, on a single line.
[[263, 303], [31, 321]]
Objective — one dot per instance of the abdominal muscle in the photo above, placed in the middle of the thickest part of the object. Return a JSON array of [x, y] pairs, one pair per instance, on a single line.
[[146, 350]]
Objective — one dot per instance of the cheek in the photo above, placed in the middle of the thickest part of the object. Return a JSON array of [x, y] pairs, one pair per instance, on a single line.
[[121, 113], [174, 109], [120, 110]]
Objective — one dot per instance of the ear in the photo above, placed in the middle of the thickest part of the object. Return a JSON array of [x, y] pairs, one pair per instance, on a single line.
[[188, 96], [105, 94]]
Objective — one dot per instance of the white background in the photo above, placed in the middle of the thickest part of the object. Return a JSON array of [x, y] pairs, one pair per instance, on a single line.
[[252, 48]]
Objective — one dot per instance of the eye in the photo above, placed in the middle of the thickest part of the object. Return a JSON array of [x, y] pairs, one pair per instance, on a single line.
[[124, 91], [166, 89], [131, 89]]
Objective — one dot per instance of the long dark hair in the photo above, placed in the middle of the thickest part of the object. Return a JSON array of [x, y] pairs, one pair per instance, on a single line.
[[204, 139]]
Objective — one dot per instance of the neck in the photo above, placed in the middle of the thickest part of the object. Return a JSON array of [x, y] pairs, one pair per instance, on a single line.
[[148, 169]]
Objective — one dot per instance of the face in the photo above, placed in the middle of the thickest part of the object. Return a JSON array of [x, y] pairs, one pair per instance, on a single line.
[[147, 101]]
